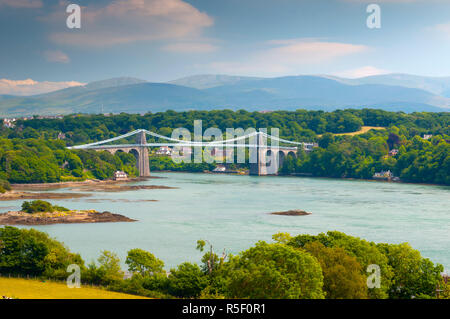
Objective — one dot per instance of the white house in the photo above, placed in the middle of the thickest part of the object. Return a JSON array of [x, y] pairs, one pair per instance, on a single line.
[[164, 150], [120, 175]]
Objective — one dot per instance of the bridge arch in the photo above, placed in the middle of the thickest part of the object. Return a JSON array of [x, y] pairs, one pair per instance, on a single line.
[[264, 159]]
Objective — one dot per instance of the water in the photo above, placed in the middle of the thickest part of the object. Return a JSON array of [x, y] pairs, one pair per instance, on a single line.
[[232, 213]]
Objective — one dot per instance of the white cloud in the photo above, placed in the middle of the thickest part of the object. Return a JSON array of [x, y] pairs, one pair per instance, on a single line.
[[361, 72], [56, 56], [126, 21], [289, 57], [32, 4], [31, 87], [442, 29]]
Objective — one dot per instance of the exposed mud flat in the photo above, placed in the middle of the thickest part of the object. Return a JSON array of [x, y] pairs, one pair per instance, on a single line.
[[14, 195], [119, 187], [294, 212], [89, 182], [99, 200], [71, 217]]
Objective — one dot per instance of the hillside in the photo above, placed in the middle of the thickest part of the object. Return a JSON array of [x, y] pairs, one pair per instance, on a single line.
[[34, 289], [207, 92]]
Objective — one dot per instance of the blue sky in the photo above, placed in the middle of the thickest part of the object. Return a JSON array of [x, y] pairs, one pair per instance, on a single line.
[[161, 40]]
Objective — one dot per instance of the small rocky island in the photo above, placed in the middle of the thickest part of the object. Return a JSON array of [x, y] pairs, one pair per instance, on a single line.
[[43, 213], [294, 212]]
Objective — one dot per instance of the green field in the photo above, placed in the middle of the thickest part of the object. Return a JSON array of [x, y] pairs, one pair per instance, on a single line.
[[34, 289]]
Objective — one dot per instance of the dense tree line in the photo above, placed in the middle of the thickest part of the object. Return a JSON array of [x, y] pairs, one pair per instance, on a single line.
[[165, 163], [297, 125], [45, 161], [30, 152], [332, 265], [418, 160]]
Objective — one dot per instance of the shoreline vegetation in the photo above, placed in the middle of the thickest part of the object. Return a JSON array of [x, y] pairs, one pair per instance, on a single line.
[[290, 267], [40, 212], [57, 217], [413, 147]]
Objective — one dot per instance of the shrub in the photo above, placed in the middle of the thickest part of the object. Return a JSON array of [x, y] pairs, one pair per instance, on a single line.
[[30, 252], [187, 281], [37, 206], [274, 271]]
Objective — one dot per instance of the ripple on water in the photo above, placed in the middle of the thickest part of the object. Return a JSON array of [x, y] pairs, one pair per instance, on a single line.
[[232, 212]]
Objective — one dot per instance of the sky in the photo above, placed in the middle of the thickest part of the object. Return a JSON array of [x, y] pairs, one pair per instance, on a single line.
[[162, 40]]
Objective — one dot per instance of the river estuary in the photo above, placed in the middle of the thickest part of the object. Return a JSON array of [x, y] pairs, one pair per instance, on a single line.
[[232, 212]]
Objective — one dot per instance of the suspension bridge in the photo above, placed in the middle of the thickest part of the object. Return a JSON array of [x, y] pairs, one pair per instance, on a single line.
[[267, 159]]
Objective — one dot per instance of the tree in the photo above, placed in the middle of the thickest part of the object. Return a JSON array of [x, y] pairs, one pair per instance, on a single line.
[[413, 274], [342, 274], [143, 262], [187, 281], [109, 270], [30, 252], [365, 252], [210, 260], [326, 140], [274, 271]]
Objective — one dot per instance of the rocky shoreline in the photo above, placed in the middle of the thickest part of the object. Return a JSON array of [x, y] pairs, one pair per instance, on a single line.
[[84, 189], [14, 195], [294, 212], [69, 217]]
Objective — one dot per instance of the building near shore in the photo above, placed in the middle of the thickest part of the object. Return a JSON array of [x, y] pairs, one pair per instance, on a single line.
[[120, 175], [387, 175], [164, 150], [219, 169]]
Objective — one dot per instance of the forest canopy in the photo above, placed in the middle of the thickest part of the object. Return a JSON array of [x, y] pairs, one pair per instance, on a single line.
[[34, 151]]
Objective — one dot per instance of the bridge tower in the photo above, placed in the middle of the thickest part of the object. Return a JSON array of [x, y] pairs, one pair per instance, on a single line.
[[268, 159], [262, 159], [142, 160]]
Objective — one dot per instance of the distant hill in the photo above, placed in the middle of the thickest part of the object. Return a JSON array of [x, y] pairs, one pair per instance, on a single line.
[[114, 82], [6, 97], [206, 81], [435, 85], [206, 92]]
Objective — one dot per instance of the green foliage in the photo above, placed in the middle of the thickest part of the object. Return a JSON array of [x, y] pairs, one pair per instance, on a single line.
[[274, 271], [342, 274], [413, 274], [138, 285], [361, 156], [328, 265], [365, 252], [32, 154], [108, 272], [164, 163], [187, 281], [143, 262], [30, 252], [4, 186], [48, 161], [37, 206]]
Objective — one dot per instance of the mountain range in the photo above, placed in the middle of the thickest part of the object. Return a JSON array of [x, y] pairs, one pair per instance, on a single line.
[[394, 92]]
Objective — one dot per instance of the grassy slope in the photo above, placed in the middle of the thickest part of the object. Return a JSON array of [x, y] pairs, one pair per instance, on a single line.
[[364, 129], [34, 289]]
